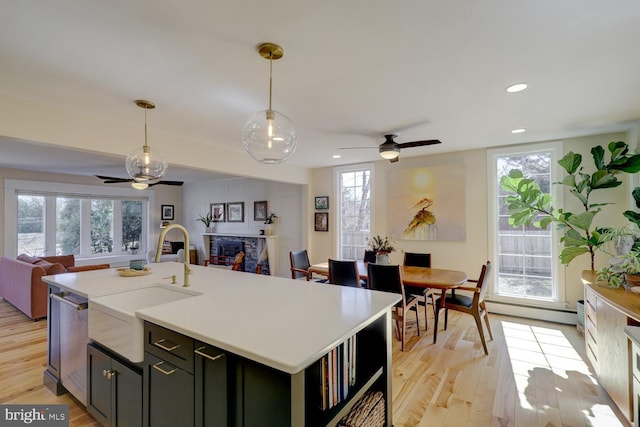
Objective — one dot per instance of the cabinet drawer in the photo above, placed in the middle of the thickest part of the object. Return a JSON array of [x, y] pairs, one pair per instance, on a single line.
[[635, 359], [590, 308], [169, 345]]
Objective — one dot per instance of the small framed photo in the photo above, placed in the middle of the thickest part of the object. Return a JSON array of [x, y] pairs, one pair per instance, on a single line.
[[260, 210], [322, 202], [322, 221], [235, 212], [167, 212], [217, 212]]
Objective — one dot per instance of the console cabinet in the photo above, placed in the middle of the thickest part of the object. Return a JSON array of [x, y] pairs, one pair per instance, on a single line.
[[607, 312]]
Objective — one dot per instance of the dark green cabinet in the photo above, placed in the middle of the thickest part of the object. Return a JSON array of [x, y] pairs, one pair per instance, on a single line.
[[114, 392], [170, 394], [212, 386]]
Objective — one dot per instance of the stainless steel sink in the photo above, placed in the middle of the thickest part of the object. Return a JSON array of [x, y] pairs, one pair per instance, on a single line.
[[113, 322]]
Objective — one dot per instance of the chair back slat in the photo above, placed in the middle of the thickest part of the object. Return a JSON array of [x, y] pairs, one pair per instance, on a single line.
[[414, 259], [369, 256], [344, 273], [299, 260], [385, 278], [483, 280]]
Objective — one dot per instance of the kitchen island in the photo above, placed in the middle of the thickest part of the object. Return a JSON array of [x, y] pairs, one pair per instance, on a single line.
[[273, 332]]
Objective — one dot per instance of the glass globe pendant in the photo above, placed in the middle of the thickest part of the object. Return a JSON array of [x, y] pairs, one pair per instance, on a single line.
[[144, 164], [269, 136]]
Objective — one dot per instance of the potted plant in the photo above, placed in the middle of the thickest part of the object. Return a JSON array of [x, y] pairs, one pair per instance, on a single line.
[[269, 221], [527, 205], [622, 270], [207, 220], [382, 247]]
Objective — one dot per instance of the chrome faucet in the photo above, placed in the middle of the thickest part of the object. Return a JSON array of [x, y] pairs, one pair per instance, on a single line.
[[163, 233]]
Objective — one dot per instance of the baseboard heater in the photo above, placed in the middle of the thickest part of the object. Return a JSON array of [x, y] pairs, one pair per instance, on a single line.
[[566, 316]]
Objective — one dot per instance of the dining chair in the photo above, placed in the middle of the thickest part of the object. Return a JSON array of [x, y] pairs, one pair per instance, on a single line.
[[344, 273], [387, 278], [415, 259], [300, 266], [473, 305], [369, 256]]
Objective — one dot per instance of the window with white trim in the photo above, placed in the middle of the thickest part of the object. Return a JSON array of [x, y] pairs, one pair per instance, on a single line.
[[78, 221], [354, 189], [525, 258]]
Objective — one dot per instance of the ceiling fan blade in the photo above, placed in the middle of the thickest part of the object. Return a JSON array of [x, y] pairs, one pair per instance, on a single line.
[[394, 160], [113, 180], [419, 143], [177, 183]]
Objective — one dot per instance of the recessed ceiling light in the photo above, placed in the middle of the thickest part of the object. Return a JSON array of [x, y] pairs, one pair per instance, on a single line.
[[516, 87], [521, 130], [336, 156]]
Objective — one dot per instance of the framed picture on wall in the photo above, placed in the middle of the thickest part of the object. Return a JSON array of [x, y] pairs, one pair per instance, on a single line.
[[167, 211], [322, 221], [217, 212], [235, 212], [322, 202], [260, 210]]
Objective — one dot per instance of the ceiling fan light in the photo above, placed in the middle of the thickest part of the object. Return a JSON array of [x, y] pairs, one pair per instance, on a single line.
[[139, 185], [269, 137], [389, 153]]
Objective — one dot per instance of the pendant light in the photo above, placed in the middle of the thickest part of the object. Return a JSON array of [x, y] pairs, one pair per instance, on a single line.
[[144, 164], [269, 136]]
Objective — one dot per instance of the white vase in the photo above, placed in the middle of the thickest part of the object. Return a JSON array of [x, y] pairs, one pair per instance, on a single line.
[[269, 229], [209, 230], [382, 258]]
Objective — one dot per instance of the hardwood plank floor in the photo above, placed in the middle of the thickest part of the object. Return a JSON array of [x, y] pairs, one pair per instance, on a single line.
[[535, 375]]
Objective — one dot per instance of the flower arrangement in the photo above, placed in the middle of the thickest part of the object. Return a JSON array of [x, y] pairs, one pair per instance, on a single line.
[[270, 219], [207, 219], [381, 244]]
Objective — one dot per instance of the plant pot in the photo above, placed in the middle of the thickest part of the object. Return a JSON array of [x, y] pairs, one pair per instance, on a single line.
[[632, 280], [382, 258], [269, 229], [209, 229]]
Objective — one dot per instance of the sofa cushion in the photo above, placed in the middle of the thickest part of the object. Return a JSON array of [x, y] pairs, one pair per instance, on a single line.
[[80, 268], [66, 260], [51, 267], [28, 258]]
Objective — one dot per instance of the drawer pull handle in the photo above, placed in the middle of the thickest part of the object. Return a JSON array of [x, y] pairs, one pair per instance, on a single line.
[[161, 344], [157, 367], [208, 356]]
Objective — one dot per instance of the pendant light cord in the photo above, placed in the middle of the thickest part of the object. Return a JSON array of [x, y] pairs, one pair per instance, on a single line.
[[145, 126], [270, 77]]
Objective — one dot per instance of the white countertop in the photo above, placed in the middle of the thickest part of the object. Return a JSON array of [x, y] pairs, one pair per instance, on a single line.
[[283, 323]]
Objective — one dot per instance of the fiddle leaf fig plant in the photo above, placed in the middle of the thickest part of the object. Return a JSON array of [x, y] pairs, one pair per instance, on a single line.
[[527, 205]]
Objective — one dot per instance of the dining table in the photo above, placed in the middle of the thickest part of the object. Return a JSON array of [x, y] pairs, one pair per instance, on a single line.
[[420, 277]]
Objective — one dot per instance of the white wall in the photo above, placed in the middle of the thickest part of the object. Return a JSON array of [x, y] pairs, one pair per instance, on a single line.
[[285, 200]]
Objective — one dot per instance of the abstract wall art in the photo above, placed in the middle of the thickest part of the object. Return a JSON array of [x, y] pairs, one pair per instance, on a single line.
[[428, 203]]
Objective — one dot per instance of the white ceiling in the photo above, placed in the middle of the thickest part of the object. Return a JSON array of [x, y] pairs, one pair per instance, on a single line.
[[352, 70]]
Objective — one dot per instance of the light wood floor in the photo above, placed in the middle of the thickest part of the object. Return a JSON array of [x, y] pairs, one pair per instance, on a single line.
[[534, 375]]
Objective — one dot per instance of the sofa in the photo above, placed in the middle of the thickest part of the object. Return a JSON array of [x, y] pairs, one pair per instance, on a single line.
[[21, 280]]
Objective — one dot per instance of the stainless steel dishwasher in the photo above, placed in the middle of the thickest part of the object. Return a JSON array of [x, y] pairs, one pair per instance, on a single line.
[[74, 337]]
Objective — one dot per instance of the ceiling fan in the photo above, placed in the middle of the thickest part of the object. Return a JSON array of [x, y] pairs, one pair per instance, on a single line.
[[390, 149], [113, 180]]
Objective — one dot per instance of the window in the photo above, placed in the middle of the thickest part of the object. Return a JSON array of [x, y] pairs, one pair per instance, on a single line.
[[354, 210], [87, 225], [526, 258]]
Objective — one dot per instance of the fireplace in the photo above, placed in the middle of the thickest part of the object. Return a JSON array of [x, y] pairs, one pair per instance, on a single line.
[[230, 248]]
